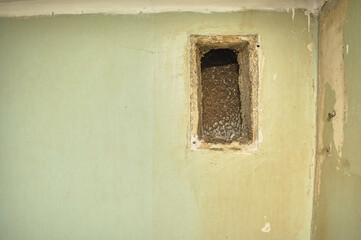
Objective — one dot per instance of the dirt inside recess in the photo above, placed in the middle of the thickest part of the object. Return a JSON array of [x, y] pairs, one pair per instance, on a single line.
[[221, 119]]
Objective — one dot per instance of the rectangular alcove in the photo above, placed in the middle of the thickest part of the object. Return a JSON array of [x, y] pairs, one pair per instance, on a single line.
[[224, 86]]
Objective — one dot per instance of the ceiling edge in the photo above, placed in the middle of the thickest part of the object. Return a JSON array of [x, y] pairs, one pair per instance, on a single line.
[[46, 8]]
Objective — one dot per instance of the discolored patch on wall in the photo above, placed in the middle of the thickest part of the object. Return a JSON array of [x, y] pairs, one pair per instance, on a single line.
[[332, 105]]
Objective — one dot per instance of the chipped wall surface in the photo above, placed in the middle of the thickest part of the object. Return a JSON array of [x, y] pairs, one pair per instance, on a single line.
[[94, 122], [338, 175]]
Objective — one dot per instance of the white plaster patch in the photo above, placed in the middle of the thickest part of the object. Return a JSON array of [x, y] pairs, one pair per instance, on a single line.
[[194, 143], [275, 76], [347, 48], [266, 228], [310, 47]]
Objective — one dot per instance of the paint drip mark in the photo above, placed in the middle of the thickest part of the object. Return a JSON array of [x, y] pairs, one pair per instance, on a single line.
[[308, 14]]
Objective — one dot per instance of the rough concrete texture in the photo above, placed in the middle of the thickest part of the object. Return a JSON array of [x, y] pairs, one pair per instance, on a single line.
[[221, 106], [94, 122], [338, 173]]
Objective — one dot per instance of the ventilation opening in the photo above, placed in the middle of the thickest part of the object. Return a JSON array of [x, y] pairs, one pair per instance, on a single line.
[[224, 82], [221, 101]]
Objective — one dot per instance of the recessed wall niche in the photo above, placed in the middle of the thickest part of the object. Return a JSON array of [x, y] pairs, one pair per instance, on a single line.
[[224, 86]]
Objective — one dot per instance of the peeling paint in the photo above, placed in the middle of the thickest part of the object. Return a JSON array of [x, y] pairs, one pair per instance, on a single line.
[[331, 73], [337, 193]]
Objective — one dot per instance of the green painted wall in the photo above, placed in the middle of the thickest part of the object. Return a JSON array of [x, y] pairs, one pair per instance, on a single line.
[[94, 125], [338, 204]]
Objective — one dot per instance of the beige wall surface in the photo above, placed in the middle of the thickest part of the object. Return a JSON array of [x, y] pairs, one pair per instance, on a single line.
[[338, 190], [94, 127]]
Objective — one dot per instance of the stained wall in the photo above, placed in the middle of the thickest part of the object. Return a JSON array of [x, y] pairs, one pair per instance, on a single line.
[[95, 124], [338, 178]]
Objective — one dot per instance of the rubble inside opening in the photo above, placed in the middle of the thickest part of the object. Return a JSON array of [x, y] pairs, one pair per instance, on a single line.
[[221, 105]]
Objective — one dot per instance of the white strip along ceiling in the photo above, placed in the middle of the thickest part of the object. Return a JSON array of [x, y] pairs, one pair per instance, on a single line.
[[50, 7]]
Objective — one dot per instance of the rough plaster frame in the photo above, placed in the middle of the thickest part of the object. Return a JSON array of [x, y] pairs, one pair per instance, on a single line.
[[200, 44]]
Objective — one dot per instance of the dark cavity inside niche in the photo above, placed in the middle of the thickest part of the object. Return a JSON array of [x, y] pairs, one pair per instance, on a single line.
[[220, 111]]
